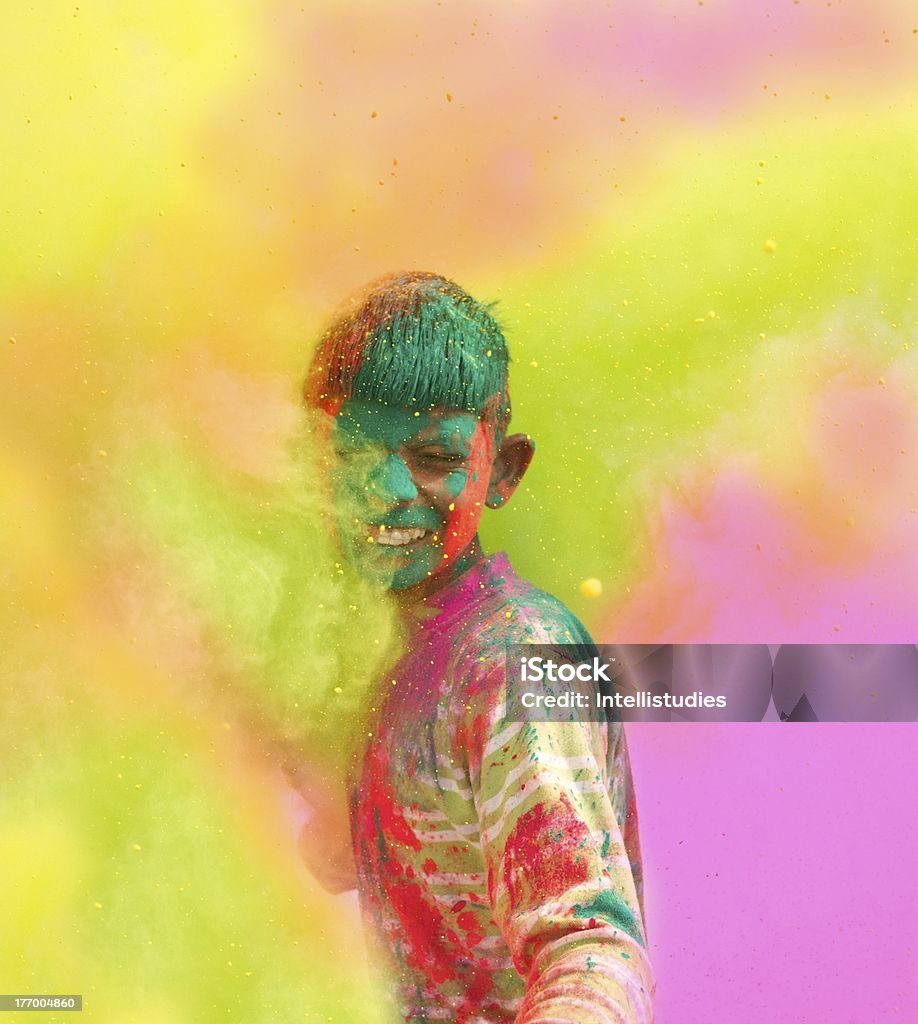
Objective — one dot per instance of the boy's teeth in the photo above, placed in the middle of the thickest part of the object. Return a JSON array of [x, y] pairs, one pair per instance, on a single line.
[[394, 537]]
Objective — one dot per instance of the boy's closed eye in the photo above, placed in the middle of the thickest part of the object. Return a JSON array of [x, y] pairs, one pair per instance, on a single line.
[[436, 456]]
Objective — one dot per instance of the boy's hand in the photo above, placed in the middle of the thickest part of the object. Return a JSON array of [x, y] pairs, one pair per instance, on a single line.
[[325, 840]]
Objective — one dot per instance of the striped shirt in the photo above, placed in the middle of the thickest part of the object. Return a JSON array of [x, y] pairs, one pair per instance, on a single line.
[[497, 860]]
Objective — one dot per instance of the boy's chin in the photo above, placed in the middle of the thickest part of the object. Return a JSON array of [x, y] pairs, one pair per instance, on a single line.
[[430, 575], [386, 572], [422, 574], [411, 575]]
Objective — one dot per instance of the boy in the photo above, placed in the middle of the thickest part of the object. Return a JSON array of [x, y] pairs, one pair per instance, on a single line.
[[497, 861]]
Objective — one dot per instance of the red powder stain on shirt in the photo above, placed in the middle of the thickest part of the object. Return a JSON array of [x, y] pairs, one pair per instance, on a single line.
[[468, 920], [438, 952], [382, 812], [478, 985], [422, 924], [546, 845]]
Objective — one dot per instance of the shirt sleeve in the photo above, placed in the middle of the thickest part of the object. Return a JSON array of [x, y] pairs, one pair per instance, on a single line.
[[558, 836]]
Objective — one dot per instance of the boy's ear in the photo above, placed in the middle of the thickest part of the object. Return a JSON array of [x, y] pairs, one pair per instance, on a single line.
[[511, 462]]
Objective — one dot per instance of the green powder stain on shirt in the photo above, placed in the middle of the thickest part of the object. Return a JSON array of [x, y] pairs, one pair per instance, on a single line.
[[611, 908]]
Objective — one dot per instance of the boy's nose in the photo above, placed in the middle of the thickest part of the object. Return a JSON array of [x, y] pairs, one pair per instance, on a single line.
[[391, 482]]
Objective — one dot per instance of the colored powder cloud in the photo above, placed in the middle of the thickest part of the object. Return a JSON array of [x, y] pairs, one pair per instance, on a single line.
[[191, 186]]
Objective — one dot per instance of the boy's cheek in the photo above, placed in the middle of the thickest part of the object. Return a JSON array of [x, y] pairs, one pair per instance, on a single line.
[[350, 481], [462, 524], [459, 531], [456, 482]]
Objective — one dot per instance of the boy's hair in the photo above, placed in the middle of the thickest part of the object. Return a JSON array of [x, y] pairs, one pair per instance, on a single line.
[[413, 339]]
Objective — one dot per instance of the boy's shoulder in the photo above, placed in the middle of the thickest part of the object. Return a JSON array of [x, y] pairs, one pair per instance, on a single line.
[[506, 609], [478, 694]]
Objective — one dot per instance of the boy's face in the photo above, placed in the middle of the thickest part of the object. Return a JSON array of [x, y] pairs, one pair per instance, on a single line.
[[410, 487]]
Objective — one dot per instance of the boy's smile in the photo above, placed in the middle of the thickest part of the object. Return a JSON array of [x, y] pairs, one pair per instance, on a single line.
[[410, 487]]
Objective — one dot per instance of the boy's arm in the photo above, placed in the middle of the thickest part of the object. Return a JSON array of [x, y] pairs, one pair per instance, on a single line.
[[560, 878], [324, 839]]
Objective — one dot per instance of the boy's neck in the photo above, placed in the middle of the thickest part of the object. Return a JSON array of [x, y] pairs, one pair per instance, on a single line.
[[413, 599]]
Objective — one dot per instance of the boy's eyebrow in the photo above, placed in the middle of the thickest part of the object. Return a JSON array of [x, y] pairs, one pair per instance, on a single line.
[[436, 434], [453, 445]]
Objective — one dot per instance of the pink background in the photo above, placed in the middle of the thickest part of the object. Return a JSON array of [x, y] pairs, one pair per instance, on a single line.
[[780, 870]]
